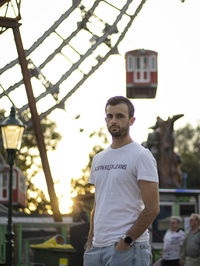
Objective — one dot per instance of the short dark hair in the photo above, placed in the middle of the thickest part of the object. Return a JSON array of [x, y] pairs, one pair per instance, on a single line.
[[120, 99]]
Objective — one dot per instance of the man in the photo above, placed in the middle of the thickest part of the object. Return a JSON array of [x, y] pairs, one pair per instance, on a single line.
[[190, 250], [126, 195]]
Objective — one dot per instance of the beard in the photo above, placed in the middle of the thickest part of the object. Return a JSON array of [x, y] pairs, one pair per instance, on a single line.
[[118, 132]]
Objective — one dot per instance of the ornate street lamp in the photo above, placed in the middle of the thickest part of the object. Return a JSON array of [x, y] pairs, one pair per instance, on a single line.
[[12, 131]]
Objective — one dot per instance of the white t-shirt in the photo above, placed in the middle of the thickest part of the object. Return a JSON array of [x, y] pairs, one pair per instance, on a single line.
[[172, 244], [115, 174]]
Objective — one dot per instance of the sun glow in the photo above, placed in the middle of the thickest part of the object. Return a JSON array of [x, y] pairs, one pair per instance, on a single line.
[[65, 205]]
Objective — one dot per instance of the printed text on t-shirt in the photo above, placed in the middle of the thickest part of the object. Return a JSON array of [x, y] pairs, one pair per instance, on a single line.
[[110, 166]]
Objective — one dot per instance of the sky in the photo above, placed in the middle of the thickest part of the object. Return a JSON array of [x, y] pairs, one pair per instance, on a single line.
[[168, 27]]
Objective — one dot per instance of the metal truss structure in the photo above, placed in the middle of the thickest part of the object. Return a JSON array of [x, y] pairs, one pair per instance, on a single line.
[[90, 36], [99, 37]]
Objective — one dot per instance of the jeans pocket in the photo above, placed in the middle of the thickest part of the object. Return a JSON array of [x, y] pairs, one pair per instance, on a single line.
[[122, 257], [121, 251], [89, 250], [145, 254]]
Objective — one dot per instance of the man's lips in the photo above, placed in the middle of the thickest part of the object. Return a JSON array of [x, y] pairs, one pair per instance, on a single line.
[[114, 127]]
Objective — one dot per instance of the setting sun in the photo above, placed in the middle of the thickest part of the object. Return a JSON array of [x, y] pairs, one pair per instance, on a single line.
[[65, 205]]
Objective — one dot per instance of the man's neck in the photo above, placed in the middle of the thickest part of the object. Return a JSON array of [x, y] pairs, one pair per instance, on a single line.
[[119, 142], [194, 230]]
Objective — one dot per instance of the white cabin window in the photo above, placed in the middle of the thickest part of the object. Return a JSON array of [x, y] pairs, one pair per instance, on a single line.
[[22, 182], [4, 186], [14, 180], [153, 63], [138, 63], [142, 73], [5, 178], [130, 63], [145, 63]]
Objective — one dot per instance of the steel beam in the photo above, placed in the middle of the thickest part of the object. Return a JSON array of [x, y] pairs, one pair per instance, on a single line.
[[9, 22], [36, 124]]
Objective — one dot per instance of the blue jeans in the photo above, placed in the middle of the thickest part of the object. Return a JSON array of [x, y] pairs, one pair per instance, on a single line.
[[138, 255]]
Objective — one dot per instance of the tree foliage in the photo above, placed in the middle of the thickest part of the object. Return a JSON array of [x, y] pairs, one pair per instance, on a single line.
[[187, 143], [28, 160], [81, 186]]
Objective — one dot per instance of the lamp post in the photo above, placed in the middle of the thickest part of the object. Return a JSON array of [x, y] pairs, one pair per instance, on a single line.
[[12, 131]]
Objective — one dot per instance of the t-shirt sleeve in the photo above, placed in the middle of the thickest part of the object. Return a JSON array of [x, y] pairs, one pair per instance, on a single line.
[[182, 237], [147, 167]]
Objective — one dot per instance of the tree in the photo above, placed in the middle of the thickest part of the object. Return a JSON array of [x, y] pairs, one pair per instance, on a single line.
[[28, 161], [187, 143], [81, 186], [161, 143]]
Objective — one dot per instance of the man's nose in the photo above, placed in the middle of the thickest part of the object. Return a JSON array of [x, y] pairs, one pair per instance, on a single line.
[[114, 120]]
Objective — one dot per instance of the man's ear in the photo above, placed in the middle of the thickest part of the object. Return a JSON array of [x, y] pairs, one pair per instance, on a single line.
[[131, 121]]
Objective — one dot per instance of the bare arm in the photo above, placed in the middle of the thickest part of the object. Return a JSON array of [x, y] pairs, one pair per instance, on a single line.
[[150, 197], [91, 231], [183, 251]]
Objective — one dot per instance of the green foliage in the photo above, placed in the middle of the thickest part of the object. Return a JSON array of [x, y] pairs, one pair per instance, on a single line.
[[28, 160], [187, 143], [81, 186]]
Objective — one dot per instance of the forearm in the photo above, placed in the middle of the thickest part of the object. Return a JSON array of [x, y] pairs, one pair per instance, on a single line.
[[150, 197], [183, 251], [143, 221], [91, 231]]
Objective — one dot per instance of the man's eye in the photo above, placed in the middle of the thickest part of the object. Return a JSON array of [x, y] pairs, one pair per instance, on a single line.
[[120, 116], [109, 116]]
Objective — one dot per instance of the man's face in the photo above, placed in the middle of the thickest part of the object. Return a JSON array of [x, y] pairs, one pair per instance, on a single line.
[[117, 119], [174, 225], [193, 221]]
